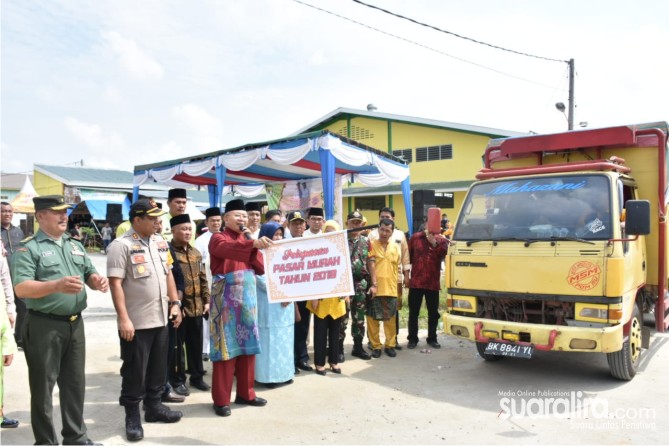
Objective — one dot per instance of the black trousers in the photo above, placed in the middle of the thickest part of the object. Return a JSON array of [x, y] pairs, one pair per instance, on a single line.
[[326, 335], [432, 304], [144, 364], [176, 365], [302, 333], [193, 340]]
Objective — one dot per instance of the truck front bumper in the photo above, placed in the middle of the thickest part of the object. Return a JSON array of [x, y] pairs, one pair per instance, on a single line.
[[542, 337]]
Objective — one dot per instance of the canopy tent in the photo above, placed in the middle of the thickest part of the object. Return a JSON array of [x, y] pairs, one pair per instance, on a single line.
[[245, 170], [23, 202]]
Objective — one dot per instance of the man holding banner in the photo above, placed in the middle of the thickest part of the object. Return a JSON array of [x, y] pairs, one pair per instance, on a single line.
[[235, 261]]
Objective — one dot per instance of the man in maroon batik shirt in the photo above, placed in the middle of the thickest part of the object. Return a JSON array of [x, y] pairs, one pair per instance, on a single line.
[[426, 251]]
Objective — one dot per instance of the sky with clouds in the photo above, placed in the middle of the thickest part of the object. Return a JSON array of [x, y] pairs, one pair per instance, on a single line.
[[122, 83]]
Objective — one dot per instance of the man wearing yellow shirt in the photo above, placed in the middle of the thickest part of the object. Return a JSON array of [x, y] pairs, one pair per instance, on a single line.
[[384, 265]]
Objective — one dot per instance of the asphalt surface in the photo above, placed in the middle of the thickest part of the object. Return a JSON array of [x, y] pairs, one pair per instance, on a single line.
[[447, 396]]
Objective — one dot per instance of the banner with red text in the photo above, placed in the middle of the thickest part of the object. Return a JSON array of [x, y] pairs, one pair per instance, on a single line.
[[306, 268]]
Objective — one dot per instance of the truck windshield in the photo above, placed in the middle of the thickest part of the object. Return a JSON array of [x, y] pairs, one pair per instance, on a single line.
[[538, 208]]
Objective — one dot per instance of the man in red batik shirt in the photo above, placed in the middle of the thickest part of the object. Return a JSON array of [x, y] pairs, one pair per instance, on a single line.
[[426, 251]]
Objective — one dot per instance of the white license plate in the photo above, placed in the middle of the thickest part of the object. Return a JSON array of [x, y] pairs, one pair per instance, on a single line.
[[504, 349]]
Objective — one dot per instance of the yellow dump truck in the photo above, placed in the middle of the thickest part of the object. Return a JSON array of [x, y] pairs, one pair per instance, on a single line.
[[561, 245]]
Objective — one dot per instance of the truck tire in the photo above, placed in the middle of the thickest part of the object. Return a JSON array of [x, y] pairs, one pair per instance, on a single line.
[[480, 347], [624, 363]]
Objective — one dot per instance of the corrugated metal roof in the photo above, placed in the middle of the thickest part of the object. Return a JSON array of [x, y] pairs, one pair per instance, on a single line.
[[88, 177], [344, 112]]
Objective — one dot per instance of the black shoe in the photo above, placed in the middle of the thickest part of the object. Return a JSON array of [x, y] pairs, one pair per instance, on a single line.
[[369, 345], [390, 351], [8, 423], [302, 365], [412, 344], [205, 357], [160, 412], [133, 424], [200, 385], [181, 389], [360, 352], [222, 411], [322, 372], [270, 385], [341, 358], [376, 353], [172, 397], [398, 347], [335, 370], [257, 401], [297, 371], [434, 344]]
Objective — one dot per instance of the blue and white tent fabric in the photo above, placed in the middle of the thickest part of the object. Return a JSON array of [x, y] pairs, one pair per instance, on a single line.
[[245, 170]]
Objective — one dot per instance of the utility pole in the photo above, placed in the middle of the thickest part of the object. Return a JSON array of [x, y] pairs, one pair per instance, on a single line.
[[570, 116]]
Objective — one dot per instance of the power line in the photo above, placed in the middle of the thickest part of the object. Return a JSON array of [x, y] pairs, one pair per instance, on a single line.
[[458, 35], [413, 42]]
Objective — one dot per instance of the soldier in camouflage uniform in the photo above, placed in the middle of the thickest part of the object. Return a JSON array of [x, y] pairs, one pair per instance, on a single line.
[[359, 249]]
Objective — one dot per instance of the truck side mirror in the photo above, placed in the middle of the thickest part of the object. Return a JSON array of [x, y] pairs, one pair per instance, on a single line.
[[637, 219]]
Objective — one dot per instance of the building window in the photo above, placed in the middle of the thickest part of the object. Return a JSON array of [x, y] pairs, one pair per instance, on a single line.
[[370, 203], [444, 200], [434, 153], [405, 154]]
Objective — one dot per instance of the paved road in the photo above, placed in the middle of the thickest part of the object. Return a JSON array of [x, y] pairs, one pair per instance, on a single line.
[[446, 396]]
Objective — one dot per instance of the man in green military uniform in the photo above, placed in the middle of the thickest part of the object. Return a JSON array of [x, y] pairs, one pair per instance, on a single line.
[[358, 246], [49, 271]]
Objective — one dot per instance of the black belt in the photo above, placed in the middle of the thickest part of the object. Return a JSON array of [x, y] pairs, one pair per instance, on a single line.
[[57, 317]]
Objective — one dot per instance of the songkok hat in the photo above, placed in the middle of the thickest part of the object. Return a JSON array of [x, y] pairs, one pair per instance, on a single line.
[[316, 212], [253, 206], [179, 219], [234, 205], [212, 212], [176, 193], [294, 215], [53, 202]]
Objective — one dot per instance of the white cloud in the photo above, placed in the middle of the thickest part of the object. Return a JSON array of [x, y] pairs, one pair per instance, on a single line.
[[113, 95], [318, 58], [133, 59], [205, 130], [101, 147]]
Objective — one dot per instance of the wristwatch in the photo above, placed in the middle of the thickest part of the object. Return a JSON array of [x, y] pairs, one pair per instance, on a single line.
[[175, 302]]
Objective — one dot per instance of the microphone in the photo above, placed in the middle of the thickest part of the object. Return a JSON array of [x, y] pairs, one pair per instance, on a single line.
[[243, 228]]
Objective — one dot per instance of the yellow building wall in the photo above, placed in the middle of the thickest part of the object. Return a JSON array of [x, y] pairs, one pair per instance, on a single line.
[[387, 136], [45, 185]]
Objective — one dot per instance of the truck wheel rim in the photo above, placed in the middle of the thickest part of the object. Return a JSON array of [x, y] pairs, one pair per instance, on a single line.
[[635, 340]]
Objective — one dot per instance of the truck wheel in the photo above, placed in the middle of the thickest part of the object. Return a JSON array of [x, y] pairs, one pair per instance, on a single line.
[[624, 363], [480, 347]]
